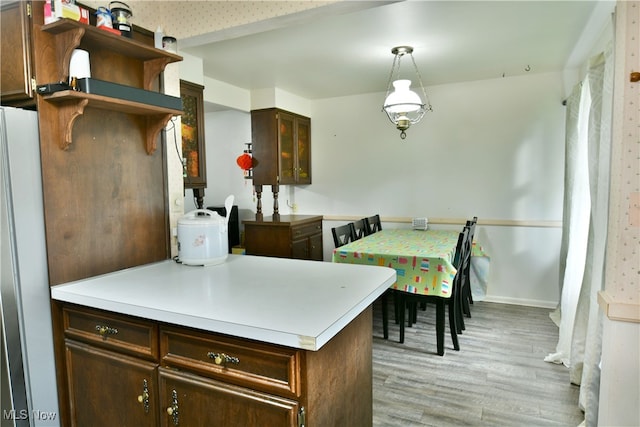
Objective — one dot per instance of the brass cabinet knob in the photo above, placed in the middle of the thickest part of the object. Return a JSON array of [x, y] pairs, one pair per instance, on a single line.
[[222, 358], [105, 331]]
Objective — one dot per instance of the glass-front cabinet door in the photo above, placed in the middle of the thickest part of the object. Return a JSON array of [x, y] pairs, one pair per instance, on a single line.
[[193, 151], [295, 160], [303, 150], [286, 128]]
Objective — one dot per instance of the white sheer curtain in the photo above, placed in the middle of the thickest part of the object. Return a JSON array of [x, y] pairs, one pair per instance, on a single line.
[[575, 220], [584, 231]]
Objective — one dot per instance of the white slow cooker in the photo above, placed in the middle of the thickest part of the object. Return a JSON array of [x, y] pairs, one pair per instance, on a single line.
[[203, 236]]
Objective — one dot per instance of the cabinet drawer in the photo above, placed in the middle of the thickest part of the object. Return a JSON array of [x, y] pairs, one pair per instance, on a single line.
[[256, 365], [306, 230], [109, 330]]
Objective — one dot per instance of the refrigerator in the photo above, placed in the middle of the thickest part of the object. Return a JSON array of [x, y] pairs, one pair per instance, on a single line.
[[28, 394]]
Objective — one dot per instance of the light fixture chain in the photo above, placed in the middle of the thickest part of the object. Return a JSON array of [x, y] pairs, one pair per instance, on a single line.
[[393, 67], [424, 92]]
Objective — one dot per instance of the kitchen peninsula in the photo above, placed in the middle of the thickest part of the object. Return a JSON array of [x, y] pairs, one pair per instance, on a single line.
[[252, 341]]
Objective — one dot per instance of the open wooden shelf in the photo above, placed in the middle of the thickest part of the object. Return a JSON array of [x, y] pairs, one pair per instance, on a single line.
[[71, 105], [69, 34]]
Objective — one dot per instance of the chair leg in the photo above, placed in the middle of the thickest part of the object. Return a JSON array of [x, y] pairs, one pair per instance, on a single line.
[[457, 307], [452, 326], [396, 305], [469, 294], [466, 308], [467, 299], [440, 326], [401, 305], [385, 315], [413, 312]]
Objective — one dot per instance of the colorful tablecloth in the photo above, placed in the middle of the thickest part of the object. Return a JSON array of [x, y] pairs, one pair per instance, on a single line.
[[422, 259]]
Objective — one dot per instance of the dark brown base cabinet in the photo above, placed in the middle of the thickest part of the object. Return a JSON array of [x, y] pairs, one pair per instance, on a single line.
[[127, 371], [205, 402], [104, 387], [293, 236]]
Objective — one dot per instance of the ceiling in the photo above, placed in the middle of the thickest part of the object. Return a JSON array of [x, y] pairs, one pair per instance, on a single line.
[[345, 49]]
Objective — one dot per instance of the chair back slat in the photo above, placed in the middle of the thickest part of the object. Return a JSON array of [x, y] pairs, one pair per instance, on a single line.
[[372, 224], [343, 234], [360, 228]]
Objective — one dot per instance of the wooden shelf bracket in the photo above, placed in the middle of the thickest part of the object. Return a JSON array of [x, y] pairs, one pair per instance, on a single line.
[[68, 112], [66, 43], [155, 124]]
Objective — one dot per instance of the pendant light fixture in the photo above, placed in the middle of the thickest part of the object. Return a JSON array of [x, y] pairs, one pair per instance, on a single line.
[[403, 106]]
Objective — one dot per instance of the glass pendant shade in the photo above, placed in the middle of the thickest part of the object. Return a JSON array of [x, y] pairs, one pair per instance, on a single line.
[[402, 99]]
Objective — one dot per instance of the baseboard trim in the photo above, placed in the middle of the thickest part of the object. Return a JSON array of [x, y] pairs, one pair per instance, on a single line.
[[521, 301]]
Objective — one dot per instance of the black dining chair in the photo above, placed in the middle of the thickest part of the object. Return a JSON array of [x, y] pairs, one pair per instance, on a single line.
[[466, 296], [463, 270], [451, 303], [343, 234], [372, 224], [361, 228]]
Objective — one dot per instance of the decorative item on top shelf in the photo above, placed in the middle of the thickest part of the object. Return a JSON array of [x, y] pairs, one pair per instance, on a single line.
[[420, 223], [245, 161], [170, 44], [103, 17], [104, 21], [403, 106], [69, 9], [121, 17]]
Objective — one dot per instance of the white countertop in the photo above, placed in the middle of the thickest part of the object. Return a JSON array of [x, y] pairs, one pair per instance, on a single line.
[[300, 304]]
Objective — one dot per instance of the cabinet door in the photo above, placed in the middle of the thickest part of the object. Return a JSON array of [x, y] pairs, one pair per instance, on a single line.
[[190, 400], [300, 249], [303, 150], [16, 64], [286, 133], [315, 248], [193, 146], [108, 389]]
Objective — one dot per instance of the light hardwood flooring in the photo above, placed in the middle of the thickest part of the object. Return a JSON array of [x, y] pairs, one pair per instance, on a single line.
[[498, 378]]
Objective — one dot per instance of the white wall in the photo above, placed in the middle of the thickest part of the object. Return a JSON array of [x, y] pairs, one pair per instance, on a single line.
[[226, 132], [492, 148]]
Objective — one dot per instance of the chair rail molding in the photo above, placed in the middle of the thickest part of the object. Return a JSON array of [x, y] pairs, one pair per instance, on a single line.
[[456, 221]]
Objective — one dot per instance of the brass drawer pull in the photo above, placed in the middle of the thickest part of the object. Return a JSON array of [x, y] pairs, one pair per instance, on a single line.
[[172, 410], [144, 397], [220, 358], [105, 331]]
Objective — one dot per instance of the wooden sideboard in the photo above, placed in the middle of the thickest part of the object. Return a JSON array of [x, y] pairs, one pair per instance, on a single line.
[[292, 236]]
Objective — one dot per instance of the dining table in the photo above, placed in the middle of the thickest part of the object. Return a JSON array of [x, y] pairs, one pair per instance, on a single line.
[[424, 265], [423, 259]]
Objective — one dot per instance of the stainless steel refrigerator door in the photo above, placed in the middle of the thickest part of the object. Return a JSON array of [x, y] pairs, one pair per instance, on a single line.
[[25, 282]]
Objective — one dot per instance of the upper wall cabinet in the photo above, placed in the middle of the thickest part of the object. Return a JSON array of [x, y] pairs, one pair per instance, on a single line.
[[281, 147], [17, 82], [193, 151]]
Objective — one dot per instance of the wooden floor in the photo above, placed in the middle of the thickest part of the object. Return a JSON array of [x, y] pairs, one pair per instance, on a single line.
[[498, 378]]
